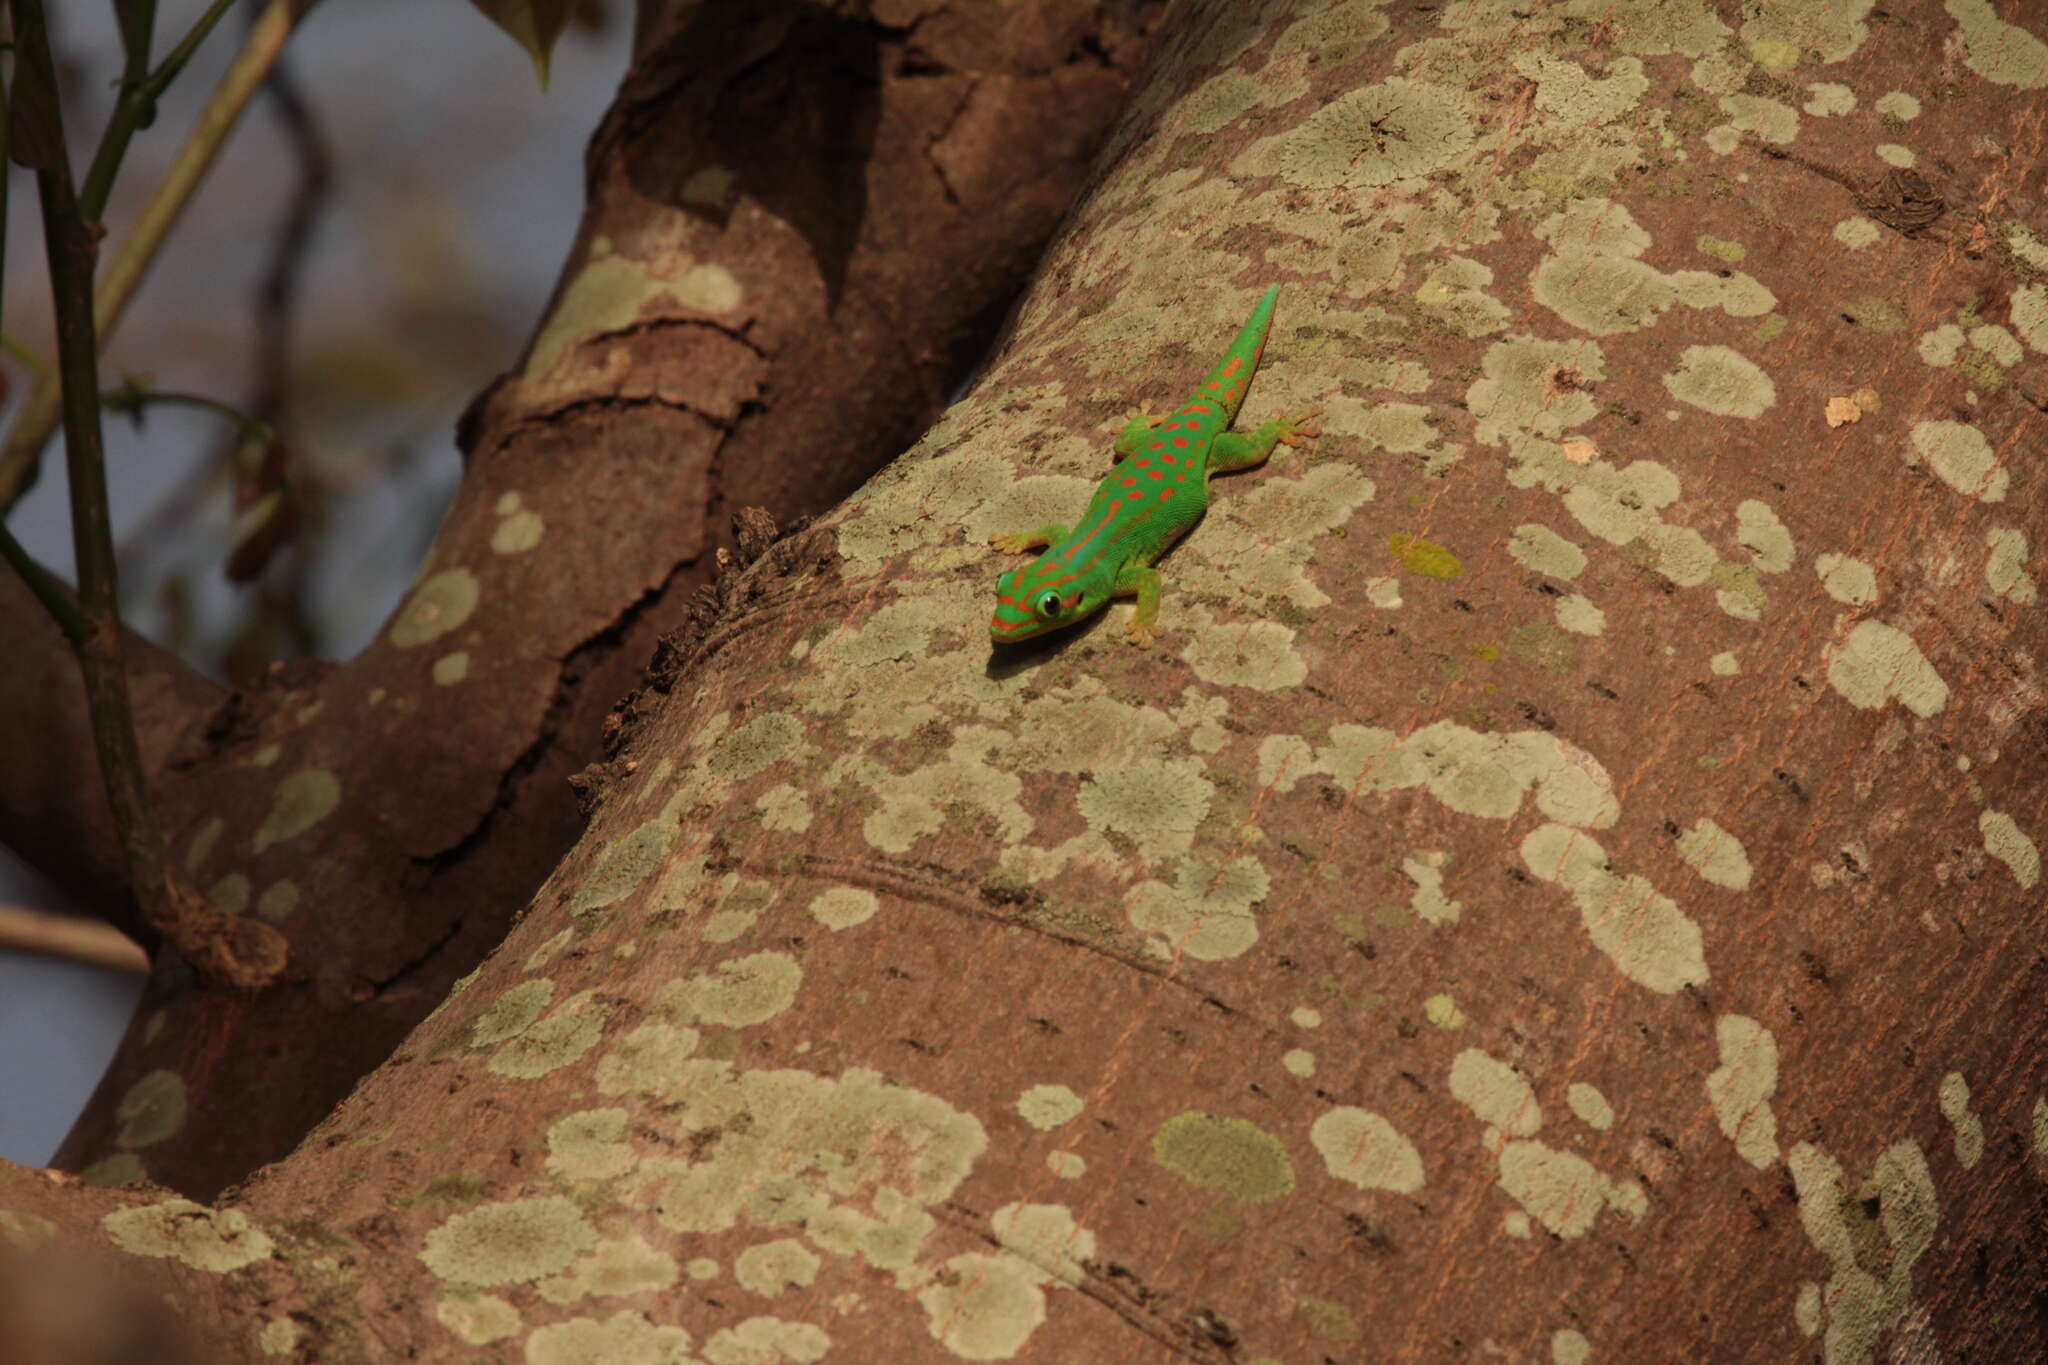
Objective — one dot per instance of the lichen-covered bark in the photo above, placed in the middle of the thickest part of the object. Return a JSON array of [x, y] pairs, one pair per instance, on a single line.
[[1566, 887], [803, 221]]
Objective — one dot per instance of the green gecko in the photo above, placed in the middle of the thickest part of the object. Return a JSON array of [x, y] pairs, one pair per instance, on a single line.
[[1158, 489]]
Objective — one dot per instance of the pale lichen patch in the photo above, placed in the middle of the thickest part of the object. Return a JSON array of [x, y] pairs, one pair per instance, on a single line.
[[590, 1144], [512, 1242], [1561, 1190], [302, 801], [1715, 854], [1764, 536], [1880, 663], [1543, 550], [1968, 1126], [1740, 1089], [624, 863], [1046, 1107], [1207, 913], [2005, 570], [1719, 380], [2007, 842], [614, 1267], [1219, 1152], [2000, 52], [983, 1307], [767, 1340], [1643, 932], [216, 1241], [437, 606], [478, 1319], [782, 1148], [1846, 579], [1833, 30], [1580, 615], [1425, 869], [1156, 803], [201, 847], [1589, 1105], [554, 1042], [1829, 99], [1872, 1253], [1393, 132], [1260, 655], [626, 1337], [152, 1110], [771, 1268], [737, 993], [916, 804], [842, 907], [1497, 1094], [1364, 1149], [1964, 460]]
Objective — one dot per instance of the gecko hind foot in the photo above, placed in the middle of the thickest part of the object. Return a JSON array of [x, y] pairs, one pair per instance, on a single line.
[[1302, 427]]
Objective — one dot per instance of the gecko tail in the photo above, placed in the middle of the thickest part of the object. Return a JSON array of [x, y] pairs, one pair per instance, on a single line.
[[1233, 374]]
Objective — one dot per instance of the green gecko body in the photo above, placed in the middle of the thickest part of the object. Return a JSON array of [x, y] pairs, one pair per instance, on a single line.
[[1158, 489]]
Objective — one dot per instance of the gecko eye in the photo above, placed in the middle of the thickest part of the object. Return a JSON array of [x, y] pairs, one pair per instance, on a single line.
[[1047, 606]]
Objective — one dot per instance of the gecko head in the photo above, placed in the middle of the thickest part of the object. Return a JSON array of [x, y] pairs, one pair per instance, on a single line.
[[1035, 599]]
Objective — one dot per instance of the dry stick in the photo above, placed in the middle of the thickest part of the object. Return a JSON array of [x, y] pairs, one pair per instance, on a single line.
[[69, 937], [224, 949], [42, 410]]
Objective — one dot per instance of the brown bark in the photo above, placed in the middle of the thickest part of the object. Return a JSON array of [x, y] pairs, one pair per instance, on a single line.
[[1566, 886], [753, 313]]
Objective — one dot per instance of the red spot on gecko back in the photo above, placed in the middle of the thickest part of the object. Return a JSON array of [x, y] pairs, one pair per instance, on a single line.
[[1158, 473], [1181, 442]]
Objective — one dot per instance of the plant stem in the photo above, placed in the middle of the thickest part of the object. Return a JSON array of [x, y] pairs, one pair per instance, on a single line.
[[6, 179], [48, 591], [42, 409], [140, 89], [129, 401], [98, 645]]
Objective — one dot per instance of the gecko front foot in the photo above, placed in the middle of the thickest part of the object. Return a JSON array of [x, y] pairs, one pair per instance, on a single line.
[[1141, 633]]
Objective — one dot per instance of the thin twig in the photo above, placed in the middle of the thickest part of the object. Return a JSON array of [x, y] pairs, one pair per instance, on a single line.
[[42, 410], [6, 179], [55, 596], [140, 90], [93, 942], [278, 295]]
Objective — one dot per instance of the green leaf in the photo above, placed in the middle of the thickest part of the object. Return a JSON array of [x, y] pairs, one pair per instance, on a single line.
[[533, 24]]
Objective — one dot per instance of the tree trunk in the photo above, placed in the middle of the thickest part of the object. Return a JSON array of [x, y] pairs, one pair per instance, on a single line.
[[1564, 887]]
